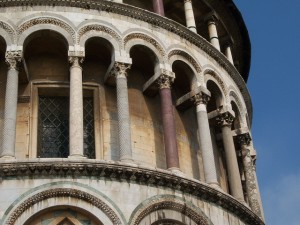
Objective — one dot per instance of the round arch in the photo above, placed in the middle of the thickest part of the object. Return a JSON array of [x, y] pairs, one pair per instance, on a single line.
[[133, 39], [88, 31], [28, 27], [233, 97], [210, 74], [168, 207], [7, 32], [182, 56]]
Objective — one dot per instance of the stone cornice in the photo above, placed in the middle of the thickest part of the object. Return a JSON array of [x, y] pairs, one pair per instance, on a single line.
[[125, 172], [151, 18]]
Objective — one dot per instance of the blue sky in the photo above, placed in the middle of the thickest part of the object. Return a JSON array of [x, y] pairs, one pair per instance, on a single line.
[[274, 28]]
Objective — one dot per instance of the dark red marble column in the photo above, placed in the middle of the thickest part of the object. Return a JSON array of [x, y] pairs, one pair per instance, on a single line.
[[168, 123], [158, 7]]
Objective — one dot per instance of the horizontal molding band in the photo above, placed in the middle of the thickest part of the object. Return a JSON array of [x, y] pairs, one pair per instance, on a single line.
[[119, 172]]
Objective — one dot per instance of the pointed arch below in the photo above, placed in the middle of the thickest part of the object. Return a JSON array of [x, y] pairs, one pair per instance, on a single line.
[[168, 207], [133, 39]]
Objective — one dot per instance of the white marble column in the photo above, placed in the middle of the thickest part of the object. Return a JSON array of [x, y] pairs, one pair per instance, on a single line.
[[213, 34], [118, 1], [120, 73], [228, 53], [225, 120], [11, 101], [251, 186], [189, 15], [205, 142], [76, 108]]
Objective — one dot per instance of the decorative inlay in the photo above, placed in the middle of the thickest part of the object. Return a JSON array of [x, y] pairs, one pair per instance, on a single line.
[[187, 57], [97, 27], [147, 39], [9, 30], [47, 20], [63, 192]]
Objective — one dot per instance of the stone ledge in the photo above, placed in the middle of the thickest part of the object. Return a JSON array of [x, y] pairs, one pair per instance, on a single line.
[[151, 18], [117, 171]]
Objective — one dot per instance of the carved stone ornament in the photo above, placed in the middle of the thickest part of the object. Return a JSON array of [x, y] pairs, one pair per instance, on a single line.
[[120, 70], [121, 173], [200, 98], [251, 185], [244, 139], [13, 59], [63, 192], [165, 81], [225, 119], [75, 61]]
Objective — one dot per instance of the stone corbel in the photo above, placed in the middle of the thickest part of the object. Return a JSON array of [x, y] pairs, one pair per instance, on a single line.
[[201, 93], [151, 87]]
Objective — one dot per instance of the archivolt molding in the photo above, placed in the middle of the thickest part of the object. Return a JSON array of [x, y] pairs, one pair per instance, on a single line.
[[168, 202], [99, 28], [220, 82], [145, 38], [187, 56], [10, 31], [236, 99], [47, 20], [63, 192]]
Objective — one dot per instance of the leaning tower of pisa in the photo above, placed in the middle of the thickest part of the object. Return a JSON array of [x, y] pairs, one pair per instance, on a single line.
[[126, 112]]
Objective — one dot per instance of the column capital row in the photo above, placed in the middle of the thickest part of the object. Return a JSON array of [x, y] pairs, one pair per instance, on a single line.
[[225, 119], [119, 70], [13, 58]]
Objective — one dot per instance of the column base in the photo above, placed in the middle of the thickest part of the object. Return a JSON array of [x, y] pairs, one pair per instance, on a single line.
[[176, 171], [76, 157], [7, 157], [216, 186], [129, 162]]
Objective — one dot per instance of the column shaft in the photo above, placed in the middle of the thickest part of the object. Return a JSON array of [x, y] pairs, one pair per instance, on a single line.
[[206, 145], [123, 118], [119, 1], [189, 15], [228, 54], [213, 34], [168, 121], [232, 164], [76, 109], [158, 7], [10, 113]]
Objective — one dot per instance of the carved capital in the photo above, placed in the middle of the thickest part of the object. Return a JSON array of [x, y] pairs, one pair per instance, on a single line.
[[13, 59], [75, 61], [119, 70], [244, 139], [165, 81], [225, 119], [200, 98], [187, 1]]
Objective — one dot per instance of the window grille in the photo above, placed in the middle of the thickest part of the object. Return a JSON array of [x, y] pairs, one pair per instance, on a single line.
[[53, 127]]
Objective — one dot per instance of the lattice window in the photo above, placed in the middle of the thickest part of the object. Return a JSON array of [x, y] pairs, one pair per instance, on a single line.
[[53, 128]]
